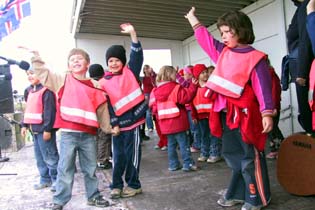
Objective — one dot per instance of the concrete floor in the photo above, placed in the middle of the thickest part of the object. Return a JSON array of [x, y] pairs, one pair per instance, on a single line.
[[162, 190]]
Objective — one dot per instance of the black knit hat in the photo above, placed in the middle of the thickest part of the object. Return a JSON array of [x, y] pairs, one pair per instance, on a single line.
[[96, 71], [116, 51]]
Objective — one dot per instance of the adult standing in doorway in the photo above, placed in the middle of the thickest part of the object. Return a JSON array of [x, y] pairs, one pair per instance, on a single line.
[[299, 44], [148, 84]]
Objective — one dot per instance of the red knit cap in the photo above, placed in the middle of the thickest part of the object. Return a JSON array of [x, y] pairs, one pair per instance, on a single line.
[[197, 69], [181, 72]]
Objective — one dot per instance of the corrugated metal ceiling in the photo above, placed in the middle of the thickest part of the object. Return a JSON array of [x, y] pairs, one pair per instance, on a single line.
[[162, 19]]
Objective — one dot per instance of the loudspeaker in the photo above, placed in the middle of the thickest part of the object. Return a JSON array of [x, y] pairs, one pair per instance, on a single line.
[[6, 97], [5, 134]]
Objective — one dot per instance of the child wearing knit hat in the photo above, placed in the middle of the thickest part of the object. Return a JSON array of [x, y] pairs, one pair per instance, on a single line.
[[96, 71], [194, 133], [201, 107], [127, 110], [103, 140]]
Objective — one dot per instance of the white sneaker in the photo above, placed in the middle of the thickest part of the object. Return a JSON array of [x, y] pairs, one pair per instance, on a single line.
[[164, 148], [227, 203], [202, 159], [213, 159]]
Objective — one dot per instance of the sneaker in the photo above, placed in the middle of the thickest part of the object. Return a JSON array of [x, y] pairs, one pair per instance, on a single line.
[[150, 130], [248, 206], [213, 159], [145, 138], [164, 148], [53, 187], [130, 192], [175, 169], [191, 168], [98, 201], [231, 202], [156, 147], [57, 207], [41, 186], [115, 193], [105, 165], [194, 150], [272, 155], [202, 159]]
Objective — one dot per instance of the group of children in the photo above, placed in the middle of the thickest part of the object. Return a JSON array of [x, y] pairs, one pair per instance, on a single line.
[[83, 105], [234, 108]]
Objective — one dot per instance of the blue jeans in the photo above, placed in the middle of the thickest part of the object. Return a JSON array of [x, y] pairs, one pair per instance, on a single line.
[[148, 117], [183, 142], [210, 145], [194, 129], [72, 143], [46, 155], [126, 159]]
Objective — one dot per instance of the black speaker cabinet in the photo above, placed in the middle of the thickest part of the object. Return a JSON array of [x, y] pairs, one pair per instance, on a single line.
[[6, 96]]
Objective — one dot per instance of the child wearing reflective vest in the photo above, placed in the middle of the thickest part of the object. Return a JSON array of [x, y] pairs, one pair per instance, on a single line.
[[127, 109], [194, 133], [39, 118], [201, 108], [243, 107], [168, 101], [81, 109]]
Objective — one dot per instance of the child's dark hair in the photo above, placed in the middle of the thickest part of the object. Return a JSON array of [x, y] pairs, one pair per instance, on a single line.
[[240, 23]]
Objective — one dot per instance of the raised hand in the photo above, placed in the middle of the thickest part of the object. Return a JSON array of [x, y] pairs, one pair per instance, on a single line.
[[127, 28], [191, 13], [34, 52], [190, 16]]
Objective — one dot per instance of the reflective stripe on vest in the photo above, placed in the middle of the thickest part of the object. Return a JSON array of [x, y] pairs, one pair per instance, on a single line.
[[79, 113], [312, 87], [152, 98], [233, 71], [168, 109], [34, 107], [80, 101], [123, 90], [201, 103], [127, 99]]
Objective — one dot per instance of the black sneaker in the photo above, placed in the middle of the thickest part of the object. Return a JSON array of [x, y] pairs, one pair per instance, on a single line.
[[145, 138], [57, 207], [104, 166], [98, 201]]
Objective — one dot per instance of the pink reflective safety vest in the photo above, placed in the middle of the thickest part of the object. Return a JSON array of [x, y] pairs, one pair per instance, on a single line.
[[34, 107], [123, 90], [168, 109], [80, 102], [233, 71], [311, 93], [201, 103]]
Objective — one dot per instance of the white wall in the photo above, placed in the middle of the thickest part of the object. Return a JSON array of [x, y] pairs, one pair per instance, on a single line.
[[270, 20], [96, 46]]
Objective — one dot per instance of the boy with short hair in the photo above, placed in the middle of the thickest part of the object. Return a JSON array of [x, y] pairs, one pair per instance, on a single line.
[[81, 109], [39, 117]]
